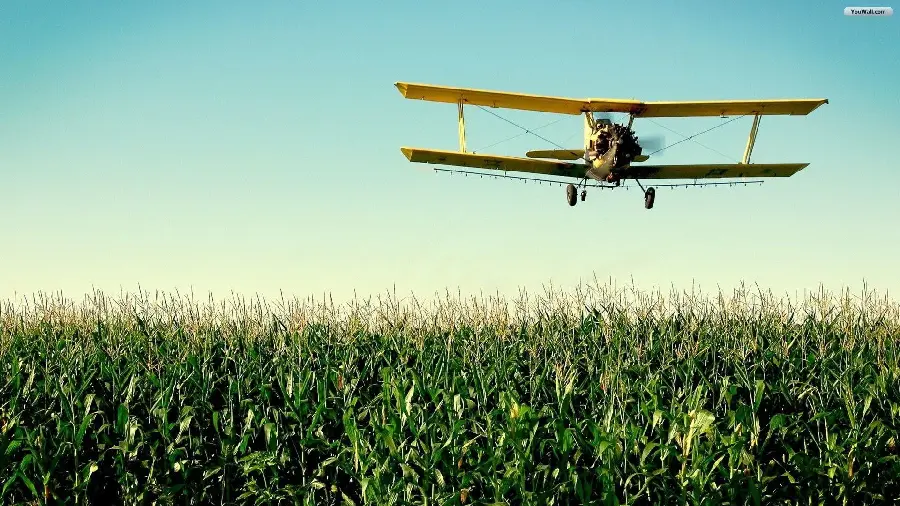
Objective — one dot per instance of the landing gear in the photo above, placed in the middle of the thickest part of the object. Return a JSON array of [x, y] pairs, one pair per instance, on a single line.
[[572, 194], [649, 197]]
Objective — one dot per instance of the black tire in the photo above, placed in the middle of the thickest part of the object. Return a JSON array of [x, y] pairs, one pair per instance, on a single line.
[[571, 194], [649, 197]]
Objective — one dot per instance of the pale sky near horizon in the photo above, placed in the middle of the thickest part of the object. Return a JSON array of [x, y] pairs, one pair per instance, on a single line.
[[254, 147]]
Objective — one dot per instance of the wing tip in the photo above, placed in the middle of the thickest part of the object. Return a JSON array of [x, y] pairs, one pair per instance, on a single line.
[[781, 169], [818, 103], [407, 152], [402, 87]]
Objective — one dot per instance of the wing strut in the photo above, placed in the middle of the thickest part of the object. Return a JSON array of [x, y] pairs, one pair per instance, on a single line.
[[588, 131], [751, 140], [462, 127]]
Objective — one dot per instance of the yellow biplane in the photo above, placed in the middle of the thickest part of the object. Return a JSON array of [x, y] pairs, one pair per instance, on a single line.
[[611, 152]]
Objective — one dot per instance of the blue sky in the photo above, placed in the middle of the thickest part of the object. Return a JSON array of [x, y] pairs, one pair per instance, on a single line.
[[254, 146]]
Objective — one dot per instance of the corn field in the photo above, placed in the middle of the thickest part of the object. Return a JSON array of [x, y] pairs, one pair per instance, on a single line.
[[597, 395]]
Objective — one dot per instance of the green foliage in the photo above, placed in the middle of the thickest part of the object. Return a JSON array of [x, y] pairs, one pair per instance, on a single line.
[[585, 398]]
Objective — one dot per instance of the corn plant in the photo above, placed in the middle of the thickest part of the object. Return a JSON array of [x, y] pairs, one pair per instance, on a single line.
[[600, 395]]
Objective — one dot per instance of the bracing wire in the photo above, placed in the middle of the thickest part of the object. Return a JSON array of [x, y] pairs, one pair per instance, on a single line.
[[474, 151], [697, 134], [695, 141], [513, 123], [691, 137]]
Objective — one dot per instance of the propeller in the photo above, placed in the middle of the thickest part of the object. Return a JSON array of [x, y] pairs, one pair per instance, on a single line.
[[651, 143]]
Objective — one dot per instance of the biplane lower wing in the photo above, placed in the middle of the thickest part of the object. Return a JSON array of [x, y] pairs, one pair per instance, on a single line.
[[708, 171], [495, 162], [563, 105]]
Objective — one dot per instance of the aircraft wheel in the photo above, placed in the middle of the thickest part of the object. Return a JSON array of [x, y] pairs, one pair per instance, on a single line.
[[649, 197], [583, 195], [571, 194]]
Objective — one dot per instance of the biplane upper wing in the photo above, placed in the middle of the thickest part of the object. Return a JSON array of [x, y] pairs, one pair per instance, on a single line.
[[707, 171], [506, 100], [495, 162], [790, 107], [563, 105]]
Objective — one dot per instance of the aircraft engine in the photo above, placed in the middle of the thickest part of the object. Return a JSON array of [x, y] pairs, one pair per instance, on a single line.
[[628, 149]]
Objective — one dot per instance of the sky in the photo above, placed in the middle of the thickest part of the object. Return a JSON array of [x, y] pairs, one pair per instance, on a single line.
[[254, 147]]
